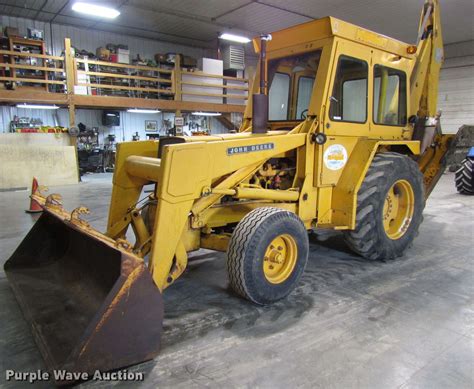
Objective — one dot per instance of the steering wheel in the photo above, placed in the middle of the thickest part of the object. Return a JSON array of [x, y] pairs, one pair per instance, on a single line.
[[304, 114]]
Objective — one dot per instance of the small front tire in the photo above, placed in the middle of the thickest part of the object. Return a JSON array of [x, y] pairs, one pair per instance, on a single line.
[[267, 255]]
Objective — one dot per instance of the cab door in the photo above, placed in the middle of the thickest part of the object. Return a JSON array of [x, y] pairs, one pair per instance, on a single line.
[[348, 109], [349, 99]]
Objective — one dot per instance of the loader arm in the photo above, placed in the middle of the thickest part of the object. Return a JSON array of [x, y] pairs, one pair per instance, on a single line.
[[185, 189]]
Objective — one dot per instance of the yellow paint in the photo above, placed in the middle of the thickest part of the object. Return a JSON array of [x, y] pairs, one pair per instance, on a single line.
[[398, 209], [280, 259], [366, 36]]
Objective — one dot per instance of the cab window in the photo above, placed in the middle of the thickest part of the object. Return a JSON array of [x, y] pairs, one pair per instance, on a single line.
[[279, 96], [390, 96], [305, 89], [291, 81], [349, 96]]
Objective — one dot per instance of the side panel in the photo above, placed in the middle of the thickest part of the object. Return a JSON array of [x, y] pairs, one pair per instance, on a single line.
[[335, 154]]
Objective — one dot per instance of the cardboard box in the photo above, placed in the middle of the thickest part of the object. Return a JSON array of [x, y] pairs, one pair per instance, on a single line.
[[209, 66], [102, 53], [12, 31], [188, 61], [123, 56], [34, 33], [160, 57]]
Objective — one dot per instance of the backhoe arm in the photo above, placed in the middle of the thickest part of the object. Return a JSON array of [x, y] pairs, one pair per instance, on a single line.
[[425, 75], [424, 96]]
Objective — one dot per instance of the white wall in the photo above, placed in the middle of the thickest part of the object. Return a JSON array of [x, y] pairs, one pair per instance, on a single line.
[[456, 87], [129, 122]]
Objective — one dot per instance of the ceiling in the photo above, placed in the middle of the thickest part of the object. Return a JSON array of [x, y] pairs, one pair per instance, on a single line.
[[198, 22]]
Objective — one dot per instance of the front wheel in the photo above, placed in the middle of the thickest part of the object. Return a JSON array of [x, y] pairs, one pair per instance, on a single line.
[[267, 255], [390, 205]]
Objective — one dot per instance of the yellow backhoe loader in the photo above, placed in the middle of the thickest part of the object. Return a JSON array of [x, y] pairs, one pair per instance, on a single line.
[[340, 132]]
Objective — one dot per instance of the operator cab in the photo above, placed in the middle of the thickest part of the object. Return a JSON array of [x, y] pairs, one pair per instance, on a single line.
[[291, 81]]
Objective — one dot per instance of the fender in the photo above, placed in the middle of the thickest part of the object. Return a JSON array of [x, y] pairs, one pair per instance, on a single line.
[[344, 197]]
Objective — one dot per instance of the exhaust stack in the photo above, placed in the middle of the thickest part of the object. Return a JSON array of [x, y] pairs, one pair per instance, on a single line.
[[260, 100]]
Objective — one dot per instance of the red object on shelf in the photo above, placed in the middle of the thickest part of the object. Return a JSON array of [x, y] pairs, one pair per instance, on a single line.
[[114, 58]]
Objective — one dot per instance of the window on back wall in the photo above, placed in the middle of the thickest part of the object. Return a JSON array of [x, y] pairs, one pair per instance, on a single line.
[[390, 96], [349, 97]]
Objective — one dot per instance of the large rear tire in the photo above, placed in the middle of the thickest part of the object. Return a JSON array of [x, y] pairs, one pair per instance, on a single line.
[[390, 204], [267, 255], [464, 177]]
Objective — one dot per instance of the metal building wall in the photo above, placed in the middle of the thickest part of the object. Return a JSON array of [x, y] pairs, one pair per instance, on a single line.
[[91, 39], [456, 87]]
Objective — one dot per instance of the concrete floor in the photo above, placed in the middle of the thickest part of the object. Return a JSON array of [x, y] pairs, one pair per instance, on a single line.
[[408, 323]]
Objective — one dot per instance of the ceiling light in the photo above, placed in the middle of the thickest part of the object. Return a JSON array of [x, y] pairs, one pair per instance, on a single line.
[[137, 110], [95, 10], [33, 106], [234, 38], [206, 113]]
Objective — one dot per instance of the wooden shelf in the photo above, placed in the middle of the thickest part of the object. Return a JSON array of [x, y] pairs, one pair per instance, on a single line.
[[119, 86]]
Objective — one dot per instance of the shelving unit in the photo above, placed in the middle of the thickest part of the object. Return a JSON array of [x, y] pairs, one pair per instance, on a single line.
[[122, 80], [74, 83], [28, 66]]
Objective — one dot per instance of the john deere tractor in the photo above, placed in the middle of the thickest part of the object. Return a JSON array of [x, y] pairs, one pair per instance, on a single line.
[[339, 133]]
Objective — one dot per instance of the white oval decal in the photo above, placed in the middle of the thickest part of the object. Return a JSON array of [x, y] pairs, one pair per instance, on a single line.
[[335, 157]]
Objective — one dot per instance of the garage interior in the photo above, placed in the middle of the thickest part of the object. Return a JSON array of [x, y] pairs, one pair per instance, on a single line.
[[74, 86]]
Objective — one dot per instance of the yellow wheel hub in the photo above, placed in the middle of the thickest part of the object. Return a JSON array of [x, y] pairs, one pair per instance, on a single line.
[[398, 209], [280, 259]]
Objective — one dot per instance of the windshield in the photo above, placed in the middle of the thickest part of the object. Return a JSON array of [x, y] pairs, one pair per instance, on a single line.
[[291, 82]]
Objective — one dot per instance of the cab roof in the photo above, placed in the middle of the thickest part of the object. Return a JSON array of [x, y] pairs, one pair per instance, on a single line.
[[332, 27]]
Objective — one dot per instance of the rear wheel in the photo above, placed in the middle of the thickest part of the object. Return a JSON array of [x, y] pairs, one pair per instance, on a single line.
[[267, 255], [390, 204], [464, 177]]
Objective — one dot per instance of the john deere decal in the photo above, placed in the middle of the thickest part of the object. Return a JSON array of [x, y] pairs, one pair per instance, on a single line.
[[250, 149]]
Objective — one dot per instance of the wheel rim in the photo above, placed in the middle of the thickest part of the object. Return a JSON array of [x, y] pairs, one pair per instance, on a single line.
[[398, 209], [280, 259]]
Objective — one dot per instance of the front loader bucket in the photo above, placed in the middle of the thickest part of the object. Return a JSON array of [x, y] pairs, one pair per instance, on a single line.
[[91, 306]]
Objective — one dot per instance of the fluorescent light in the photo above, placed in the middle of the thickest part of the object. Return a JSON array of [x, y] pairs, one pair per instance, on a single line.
[[95, 10], [234, 38], [33, 106], [206, 113], [137, 110]]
